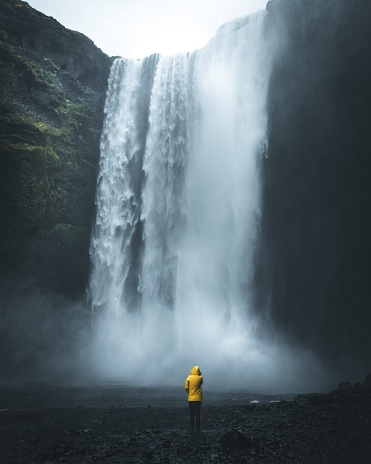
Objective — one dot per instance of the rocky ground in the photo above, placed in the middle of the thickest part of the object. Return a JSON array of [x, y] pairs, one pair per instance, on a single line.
[[316, 428]]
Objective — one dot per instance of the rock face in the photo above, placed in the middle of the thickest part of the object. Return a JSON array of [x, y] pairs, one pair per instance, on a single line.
[[52, 92], [313, 273], [367, 382]]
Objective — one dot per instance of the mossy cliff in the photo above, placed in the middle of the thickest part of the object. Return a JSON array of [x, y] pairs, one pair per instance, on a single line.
[[52, 91]]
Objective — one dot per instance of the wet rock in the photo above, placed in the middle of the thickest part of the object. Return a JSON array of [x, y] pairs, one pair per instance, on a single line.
[[345, 386], [367, 382], [331, 428], [17, 417], [235, 439], [304, 176]]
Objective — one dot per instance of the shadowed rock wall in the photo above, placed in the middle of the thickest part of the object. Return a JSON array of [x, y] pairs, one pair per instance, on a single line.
[[312, 280]]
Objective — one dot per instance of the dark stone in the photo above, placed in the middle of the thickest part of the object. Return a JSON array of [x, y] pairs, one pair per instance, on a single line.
[[367, 382], [312, 262], [335, 431], [235, 439], [345, 386], [311, 398], [18, 417]]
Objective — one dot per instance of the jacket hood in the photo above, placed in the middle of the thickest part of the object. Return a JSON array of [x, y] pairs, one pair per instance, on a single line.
[[195, 370]]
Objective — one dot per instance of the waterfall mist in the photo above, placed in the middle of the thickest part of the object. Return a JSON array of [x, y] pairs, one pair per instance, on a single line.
[[178, 210]]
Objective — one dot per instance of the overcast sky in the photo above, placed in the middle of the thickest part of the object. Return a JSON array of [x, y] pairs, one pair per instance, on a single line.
[[137, 28]]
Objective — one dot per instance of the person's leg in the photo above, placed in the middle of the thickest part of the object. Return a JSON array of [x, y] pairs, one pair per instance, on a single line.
[[192, 414], [198, 414]]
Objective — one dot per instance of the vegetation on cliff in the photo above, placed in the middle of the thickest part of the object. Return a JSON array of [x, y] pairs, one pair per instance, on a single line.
[[52, 93]]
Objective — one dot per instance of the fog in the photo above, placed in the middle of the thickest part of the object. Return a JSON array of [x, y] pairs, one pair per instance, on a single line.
[[133, 29], [191, 190], [49, 340], [44, 336]]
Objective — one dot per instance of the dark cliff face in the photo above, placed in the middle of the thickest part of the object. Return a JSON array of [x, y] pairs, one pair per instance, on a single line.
[[52, 91], [313, 273]]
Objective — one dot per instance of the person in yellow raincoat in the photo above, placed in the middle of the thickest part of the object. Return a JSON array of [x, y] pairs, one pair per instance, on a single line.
[[193, 388]]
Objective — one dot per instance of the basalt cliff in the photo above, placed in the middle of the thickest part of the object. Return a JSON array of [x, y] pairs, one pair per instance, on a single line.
[[52, 92], [312, 279]]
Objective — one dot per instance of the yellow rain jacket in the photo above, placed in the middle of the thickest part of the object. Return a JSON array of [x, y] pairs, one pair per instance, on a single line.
[[193, 385]]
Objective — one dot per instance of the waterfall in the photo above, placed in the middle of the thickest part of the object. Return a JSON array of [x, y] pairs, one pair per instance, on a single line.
[[178, 208]]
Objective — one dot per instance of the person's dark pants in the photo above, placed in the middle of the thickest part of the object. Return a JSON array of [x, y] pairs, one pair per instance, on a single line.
[[195, 411]]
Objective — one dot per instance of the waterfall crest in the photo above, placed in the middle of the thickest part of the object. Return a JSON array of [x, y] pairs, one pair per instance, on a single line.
[[178, 207]]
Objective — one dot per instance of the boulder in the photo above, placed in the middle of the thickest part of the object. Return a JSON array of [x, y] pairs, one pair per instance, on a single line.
[[367, 382], [237, 440], [345, 386]]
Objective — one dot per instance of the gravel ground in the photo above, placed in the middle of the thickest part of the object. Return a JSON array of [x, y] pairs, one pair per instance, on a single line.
[[330, 428]]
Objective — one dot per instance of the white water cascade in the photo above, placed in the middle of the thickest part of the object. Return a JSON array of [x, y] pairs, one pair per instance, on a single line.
[[178, 207]]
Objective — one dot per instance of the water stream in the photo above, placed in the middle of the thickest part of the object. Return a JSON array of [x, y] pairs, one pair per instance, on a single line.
[[178, 209]]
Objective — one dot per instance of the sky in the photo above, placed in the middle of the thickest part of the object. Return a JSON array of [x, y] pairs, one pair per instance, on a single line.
[[138, 28]]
